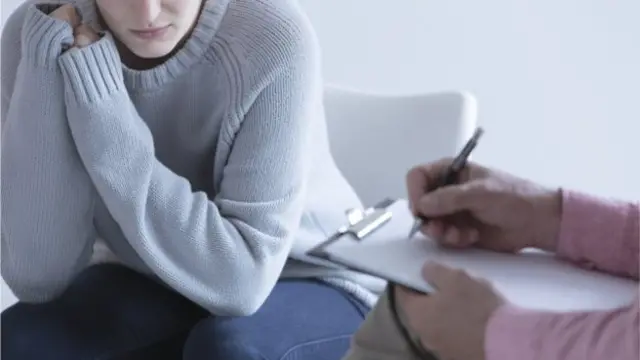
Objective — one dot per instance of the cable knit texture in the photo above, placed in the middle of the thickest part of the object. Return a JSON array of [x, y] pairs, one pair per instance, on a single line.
[[598, 233], [211, 172]]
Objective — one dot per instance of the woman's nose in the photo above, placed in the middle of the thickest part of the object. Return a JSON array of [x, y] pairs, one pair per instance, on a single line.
[[147, 12]]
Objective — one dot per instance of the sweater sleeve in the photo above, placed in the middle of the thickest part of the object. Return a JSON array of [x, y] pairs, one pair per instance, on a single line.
[[226, 253], [594, 232], [47, 227]]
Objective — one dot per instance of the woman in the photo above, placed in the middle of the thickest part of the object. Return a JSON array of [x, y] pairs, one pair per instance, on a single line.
[[466, 319], [188, 136]]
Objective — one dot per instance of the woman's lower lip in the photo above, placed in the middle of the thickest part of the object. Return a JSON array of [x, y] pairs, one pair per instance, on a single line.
[[150, 34]]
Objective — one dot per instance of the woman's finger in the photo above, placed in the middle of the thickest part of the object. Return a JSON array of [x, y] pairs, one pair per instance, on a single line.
[[85, 36], [67, 13]]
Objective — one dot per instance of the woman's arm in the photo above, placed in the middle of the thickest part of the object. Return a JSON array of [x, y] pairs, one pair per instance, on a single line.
[[601, 233], [604, 233], [227, 253], [47, 226]]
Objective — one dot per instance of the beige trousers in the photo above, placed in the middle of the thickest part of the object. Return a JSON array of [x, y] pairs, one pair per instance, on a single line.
[[382, 337]]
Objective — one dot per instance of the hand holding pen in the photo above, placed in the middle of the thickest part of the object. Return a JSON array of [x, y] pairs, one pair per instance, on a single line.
[[448, 177], [483, 207]]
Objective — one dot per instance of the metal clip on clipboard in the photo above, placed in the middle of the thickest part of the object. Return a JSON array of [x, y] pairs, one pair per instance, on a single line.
[[361, 223]]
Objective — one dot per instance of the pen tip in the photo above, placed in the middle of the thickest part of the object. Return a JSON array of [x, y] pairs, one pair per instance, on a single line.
[[414, 229]]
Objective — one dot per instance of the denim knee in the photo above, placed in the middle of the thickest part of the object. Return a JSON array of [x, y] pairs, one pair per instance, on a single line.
[[213, 340]]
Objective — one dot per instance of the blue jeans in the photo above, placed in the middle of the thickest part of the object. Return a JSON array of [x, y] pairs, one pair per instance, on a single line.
[[111, 312]]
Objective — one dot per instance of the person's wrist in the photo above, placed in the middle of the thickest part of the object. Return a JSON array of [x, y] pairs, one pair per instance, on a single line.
[[548, 210]]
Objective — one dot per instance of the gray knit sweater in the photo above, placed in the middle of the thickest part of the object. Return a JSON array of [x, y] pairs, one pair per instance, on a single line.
[[211, 172]]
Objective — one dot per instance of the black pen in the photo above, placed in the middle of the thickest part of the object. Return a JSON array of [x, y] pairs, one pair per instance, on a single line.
[[450, 177]]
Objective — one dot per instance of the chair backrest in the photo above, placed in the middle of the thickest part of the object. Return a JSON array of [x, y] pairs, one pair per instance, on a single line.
[[377, 138]]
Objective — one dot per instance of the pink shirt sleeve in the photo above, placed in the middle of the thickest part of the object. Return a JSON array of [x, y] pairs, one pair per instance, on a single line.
[[601, 233]]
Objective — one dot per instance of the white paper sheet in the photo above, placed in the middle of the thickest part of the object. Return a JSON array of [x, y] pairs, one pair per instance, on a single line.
[[532, 279]]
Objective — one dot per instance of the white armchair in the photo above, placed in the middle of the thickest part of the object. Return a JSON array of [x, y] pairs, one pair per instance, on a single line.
[[377, 138]]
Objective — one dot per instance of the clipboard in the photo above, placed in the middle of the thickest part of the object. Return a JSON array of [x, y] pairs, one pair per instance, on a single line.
[[374, 242], [360, 224], [375, 224]]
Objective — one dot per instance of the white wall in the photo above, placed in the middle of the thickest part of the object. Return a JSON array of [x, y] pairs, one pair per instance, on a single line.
[[558, 82]]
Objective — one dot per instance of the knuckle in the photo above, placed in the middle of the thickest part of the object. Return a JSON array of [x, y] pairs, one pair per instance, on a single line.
[[490, 185], [444, 161], [474, 192], [412, 175], [476, 187]]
